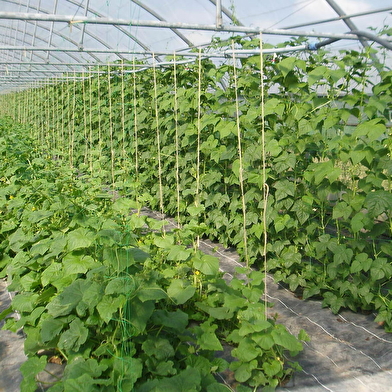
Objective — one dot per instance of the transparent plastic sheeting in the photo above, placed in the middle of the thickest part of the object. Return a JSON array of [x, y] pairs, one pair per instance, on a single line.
[[41, 38]]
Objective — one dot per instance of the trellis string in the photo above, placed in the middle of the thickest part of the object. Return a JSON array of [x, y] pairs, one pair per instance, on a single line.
[[264, 173], [240, 160]]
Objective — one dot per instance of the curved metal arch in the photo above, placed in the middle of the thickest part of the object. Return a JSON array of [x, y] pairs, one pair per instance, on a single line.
[[228, 14], [129, 35], [157, 16], [41, 39], [93, 36], [43, 58], [47, 29], [348, 22]]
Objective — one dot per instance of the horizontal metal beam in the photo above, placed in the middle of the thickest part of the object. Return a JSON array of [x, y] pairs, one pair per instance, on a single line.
[[337, 18], [223, 53], [71, 19]]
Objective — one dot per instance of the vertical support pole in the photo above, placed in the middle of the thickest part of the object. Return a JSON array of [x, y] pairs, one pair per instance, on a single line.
[[219, 21], [81, 41]]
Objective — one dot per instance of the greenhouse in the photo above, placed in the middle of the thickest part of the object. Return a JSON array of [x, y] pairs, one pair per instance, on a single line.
[[195, 195]]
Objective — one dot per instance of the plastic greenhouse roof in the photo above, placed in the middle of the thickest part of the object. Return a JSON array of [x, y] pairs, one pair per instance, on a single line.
[[42, 39]]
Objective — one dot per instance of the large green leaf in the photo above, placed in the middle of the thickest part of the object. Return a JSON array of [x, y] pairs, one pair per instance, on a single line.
[[78, 263], [109, 305], [180, 291], [207, 264], [378, 202], [67, 300], [80, 238]]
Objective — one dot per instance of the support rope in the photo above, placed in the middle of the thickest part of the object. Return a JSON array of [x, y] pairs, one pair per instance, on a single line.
[[241, 166], [158, 137], [135, 135], [111, 130], [123, 155], [90, 123], [264, 171], [176, 139], [84, 119]]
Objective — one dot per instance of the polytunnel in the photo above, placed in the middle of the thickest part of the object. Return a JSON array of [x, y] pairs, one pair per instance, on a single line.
[[195, 195]]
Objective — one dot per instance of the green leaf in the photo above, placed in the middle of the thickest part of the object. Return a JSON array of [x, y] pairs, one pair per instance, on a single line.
[[246, 351], [372, 129], [77, 263], [195, 210], [80, 366], [122, 258], [207, 264], [179, 253], [39, 215], [180, 291], [127, 371], [378, 202], [177, 320], [159, 348], [317, 74], [110, 305], [139, 313], [206, 337], [187, 381], [29, 370], [243, 371], [283, 338], [5, 313], [67, 300], [52, 273], [273, 148], [286, 65], [272, 368], [24, 302], [121, 285], [84, 383], [226, 128], [51, 328], [361, 263], [273, 106], [341, 210], [74, 337], [80, 238], [284, 188], [124, 206], [151, 292]]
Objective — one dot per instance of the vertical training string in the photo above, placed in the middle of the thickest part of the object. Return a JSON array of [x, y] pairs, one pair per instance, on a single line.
[[84, 118], [73, 118], [123, 111], [158, 136], [176, 139], [197, 197], [111, 128], [47, 115], [198, 130], [91, 123], [264, 174], [62, 144], [135, 131], [55, 108], [99, 113], [241, 167], [69, 122]]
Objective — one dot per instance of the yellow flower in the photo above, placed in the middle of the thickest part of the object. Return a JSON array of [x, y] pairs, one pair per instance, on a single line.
[[197, 272], [12, 197]]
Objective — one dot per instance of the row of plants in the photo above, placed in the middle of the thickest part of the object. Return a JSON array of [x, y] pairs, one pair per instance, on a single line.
[[320, 143], [121, 302]]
